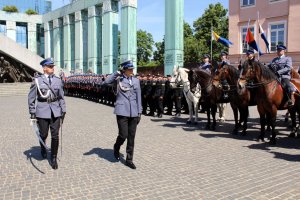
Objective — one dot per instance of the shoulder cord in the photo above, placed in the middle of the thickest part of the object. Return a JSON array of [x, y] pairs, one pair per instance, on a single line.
[[38, 88]]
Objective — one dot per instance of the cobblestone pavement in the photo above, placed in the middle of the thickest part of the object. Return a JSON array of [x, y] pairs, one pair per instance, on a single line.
[[174, 160]]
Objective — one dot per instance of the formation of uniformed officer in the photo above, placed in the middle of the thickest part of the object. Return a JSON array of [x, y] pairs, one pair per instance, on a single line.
[[47, 105], [128, 109], [282, 66]]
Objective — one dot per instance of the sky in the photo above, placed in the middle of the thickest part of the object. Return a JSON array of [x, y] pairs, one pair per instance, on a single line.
[[151, 18]]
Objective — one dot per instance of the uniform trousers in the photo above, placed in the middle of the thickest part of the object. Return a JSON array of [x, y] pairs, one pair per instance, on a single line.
[[54, 125], [127, 128]]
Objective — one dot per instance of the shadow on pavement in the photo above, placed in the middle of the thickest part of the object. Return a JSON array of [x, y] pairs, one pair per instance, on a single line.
[[107, 154], [35, 153]]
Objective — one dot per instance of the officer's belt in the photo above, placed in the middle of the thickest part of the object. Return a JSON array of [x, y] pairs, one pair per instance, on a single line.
[[48, 100]]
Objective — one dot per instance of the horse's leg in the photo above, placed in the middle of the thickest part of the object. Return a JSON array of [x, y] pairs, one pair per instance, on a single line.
[[213, 113], [286, 118], [245, 114], [190, 105], [208, 107], [269, 122], [262, 116], [196, 102], [235, 114], [292, 112], [273, 123]]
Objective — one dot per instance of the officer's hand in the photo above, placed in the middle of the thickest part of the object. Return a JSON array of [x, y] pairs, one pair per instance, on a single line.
[[139, 118], [63, 117], [32, 116]]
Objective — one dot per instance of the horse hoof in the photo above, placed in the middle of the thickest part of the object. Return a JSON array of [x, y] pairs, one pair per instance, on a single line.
[[244, 133], [272, 141], [292, 135], [260, 139], [235, 132], [188, 122]]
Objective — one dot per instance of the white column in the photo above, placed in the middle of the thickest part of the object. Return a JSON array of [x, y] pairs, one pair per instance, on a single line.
[[78, 42], [56, 43], [11, 30], [67, 44], [47, 39]]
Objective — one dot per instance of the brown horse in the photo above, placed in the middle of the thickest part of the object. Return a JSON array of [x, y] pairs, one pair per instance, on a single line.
[[239, 98], [210, 92], [270, 96]]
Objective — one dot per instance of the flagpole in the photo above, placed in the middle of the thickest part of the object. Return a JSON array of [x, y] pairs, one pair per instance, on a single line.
[[245, 38], [258, 38], [211, 33]]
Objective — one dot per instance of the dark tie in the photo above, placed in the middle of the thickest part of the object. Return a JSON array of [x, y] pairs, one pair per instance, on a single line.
[[49, 79]]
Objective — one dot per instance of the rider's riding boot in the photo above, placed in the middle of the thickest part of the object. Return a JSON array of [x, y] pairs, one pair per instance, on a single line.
[[291, 101]]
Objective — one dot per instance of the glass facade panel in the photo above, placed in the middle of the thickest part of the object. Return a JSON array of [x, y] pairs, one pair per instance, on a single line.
[[21, 34], [3, 27], [277, 35]]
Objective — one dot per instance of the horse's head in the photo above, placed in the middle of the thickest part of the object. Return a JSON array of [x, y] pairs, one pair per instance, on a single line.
[[179, 77], [192, 77], [247, 73]]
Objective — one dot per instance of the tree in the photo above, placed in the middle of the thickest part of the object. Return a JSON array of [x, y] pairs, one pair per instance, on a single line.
[[215, 16], [158, 55], [144, 47], [191, 45], [10, 9], [31, 12]]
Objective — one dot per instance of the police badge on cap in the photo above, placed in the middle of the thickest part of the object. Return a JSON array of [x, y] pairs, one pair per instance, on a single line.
[[127, 65], [47, 61]]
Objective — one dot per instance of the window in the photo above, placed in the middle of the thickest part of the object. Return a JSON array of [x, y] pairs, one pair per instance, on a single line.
[[21, 34], [3, 28], [245, 3], [244, 44], [277, 35]]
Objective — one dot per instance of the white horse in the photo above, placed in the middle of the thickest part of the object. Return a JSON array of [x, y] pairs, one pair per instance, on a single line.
[[180, 76]]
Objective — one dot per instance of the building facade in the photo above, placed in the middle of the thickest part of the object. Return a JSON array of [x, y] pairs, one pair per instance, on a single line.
[[40, 6], [26, 30], [83, 36], [279, 20]]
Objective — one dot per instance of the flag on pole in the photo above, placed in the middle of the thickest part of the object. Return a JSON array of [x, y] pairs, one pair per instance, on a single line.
[[225, 42], [263, 36], [251, 41]]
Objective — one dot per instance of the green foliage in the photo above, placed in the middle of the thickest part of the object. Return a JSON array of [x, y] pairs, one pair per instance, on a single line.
[[10, 9], [31, 12], [214, 16], [144, 47], [191, 45], [159, 53]]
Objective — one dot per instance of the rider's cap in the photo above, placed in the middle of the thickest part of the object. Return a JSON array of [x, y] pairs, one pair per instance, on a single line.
[[127, 65], [205, 56], [47, 61], [280, 47], [248, 52], [224, 53]]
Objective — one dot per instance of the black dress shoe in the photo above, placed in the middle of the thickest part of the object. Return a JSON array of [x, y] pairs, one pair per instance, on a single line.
[[116, 154], [130, 164], [54, 164], [44, 153]]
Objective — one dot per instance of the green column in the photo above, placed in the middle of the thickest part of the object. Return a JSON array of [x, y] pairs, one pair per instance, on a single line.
[[173, 34], [110, 36], [32, 37], [67, 44], [94, 39], [128, 31], [57, 42]]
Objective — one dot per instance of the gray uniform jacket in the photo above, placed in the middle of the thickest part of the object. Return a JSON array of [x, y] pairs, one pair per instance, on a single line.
[[206, 66], [43, 107], [283, 66], [128, 100]]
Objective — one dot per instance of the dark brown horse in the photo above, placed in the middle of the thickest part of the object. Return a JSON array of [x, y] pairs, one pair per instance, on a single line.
[[239, 98], [270, 96], [209, 91]]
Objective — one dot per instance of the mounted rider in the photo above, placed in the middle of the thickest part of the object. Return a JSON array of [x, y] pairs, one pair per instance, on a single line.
[[205, 64], [282, 66]]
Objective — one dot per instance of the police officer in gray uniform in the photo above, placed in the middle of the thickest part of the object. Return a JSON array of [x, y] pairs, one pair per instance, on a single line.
[[282, 66], [205, 63], [128, 109], [47, 105]]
